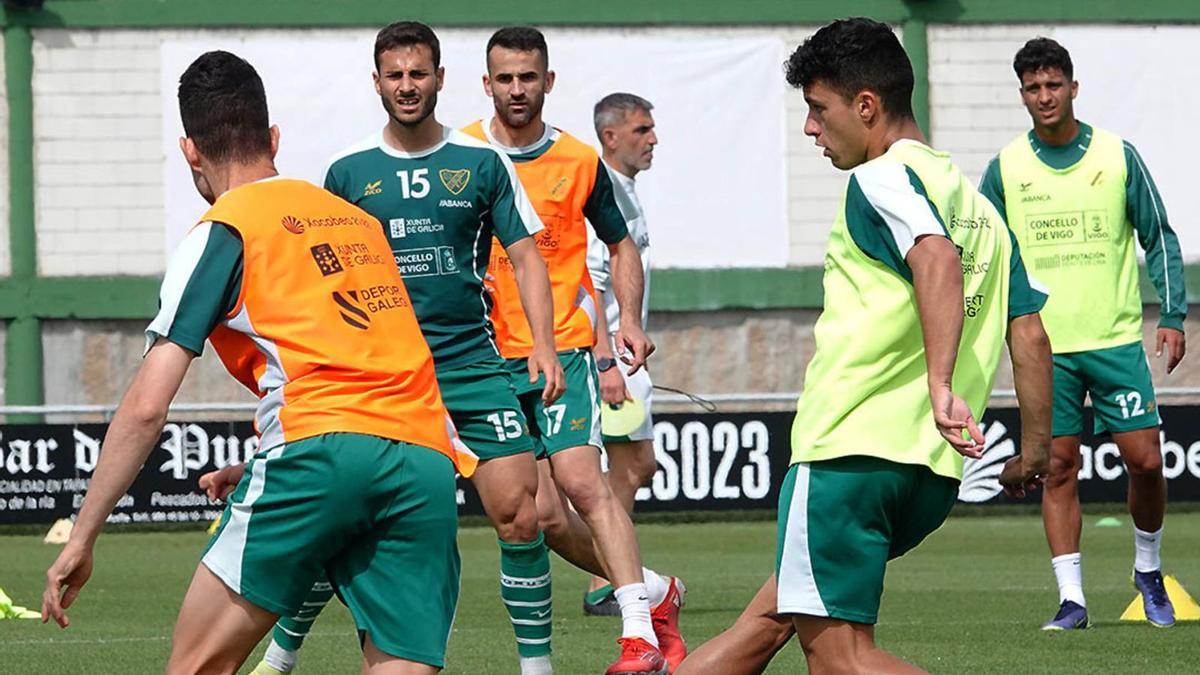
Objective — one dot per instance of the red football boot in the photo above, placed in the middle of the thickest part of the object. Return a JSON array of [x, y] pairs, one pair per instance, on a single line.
[[638, 657], [665, 618]]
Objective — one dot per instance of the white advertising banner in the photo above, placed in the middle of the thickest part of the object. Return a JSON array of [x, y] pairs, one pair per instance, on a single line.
[[715, 197], [1133, 82]]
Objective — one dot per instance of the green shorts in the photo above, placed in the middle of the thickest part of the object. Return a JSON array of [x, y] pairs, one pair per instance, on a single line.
[[571, 421], [841, 520], [1118, 381], [378, 516], [484, 407]]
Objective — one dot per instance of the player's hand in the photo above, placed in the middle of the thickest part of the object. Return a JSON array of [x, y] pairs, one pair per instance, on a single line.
[[1017, 478], [952, 417], [612, 387], [1176, 343], [633, 346], [64, 579], [218, 484], [545, 362]]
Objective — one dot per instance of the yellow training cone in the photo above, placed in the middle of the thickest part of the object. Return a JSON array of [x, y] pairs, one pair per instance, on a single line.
[[59, 532], [1186, 607]]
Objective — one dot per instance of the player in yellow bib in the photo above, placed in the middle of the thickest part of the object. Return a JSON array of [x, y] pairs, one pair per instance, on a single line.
[[1076, 196], [922, 284]]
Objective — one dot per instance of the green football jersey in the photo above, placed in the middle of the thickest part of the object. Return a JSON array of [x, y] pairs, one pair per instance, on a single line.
[[440, 208]]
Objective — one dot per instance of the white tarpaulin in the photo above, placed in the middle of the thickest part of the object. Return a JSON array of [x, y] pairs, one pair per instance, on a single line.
[[715, 197], [1136, 81]]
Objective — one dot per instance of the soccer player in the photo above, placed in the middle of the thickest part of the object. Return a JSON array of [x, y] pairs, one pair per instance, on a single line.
[[922, 282], [568, 183], [1076, 196], [625, 129], [355, 477], [441, 196]]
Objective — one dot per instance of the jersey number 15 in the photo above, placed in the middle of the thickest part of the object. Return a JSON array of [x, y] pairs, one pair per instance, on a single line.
[[416, 186]]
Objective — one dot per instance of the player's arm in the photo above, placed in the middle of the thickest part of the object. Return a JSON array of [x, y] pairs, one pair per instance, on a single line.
[[200, 288], [1164, 261], [628, 282], [1033, 376], [938, 285], [135, 429], [514, 222], [891, 219], [612, 383], [533, 285], [992, 187]]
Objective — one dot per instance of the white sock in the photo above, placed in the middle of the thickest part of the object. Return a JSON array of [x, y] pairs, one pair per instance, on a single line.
[[1069, 573], [1146, 549], [536, 665], [635, 612], [656, 587], [279, 658]]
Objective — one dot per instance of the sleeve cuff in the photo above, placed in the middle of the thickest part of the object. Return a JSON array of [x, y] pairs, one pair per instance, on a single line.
[[1172, 321]]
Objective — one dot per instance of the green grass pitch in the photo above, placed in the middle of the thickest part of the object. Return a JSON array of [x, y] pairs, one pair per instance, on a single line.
[[967, 601]]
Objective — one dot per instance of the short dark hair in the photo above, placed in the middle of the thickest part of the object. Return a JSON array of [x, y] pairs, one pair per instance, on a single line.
[[224, 108], [613, 108], [407, 34], [850, 55], [1041, 53], [521, 39]]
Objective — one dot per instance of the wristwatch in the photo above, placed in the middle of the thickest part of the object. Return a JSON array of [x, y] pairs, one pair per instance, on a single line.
[[605, 363]]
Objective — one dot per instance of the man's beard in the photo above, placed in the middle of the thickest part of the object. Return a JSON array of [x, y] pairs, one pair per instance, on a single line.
[[523, 120], [428, 104]]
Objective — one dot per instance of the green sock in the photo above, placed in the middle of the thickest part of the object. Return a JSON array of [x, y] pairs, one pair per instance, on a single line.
[[525, 590], [599, 594], [290, 631]]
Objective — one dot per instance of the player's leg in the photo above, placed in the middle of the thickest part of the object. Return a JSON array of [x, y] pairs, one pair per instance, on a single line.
[[570, 537], [399, 576], [1123, 397], [832, 646], [289, 632], [217, 629], [489, 419], [508, 486], [1061, 516], [746, 647], [570, 434], [631, 465], [376, 662]]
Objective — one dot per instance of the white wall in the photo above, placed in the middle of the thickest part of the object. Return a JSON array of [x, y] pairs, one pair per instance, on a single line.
[[99, 164]]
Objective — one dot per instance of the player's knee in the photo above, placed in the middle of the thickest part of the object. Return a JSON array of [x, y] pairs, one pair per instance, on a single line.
[[1144, 464], [521, 526], [826, 661], [588, 496], [644, 467], [552, 520], [1064, 470], [185, 662]]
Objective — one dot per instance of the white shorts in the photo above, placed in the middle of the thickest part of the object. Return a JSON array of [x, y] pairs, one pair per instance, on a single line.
[[641, 388]]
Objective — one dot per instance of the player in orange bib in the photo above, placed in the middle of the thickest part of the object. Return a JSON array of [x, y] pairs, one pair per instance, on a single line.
[[569, 185], [355, 472]]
